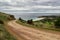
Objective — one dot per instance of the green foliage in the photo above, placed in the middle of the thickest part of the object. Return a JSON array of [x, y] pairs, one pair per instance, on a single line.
[[21, 20], [6, 17], [30, 21], [1, 22], [57, 23], [4, 35], [12, 17], [52, 23]]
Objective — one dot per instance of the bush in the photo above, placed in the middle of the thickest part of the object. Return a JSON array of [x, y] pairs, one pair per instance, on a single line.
[[20, 19], [1, 22], [57, 23], [30, 21], [12, 17]]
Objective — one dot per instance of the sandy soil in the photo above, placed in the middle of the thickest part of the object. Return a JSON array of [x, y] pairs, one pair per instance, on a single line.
[[27, 33]]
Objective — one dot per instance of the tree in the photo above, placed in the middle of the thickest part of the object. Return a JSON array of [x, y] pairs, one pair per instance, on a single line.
[[12, 17], [30, 21], [57, 23], [20, 19], [1, 22]]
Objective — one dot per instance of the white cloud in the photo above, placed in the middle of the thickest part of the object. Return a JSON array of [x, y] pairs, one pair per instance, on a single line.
[[16, 2], [15, 8], [47, 7], [29, 5], [5, 0], [29, 8]]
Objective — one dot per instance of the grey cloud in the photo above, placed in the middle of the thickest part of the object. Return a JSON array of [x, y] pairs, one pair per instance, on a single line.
[[34, 2], [30, 3], [4, 4], [52, 3]]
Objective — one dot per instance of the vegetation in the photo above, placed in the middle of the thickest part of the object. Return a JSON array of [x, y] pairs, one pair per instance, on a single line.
[[12, 17], [1, 22], [30, 21], [57, 23], [4, 34], [51, 23], [6, 17], [23, 21]]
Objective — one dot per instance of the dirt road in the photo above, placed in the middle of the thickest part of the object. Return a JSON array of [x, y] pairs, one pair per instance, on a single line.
[[27, 33]]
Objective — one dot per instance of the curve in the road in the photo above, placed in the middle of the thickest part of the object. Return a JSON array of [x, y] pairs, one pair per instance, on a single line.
[[31, 33]]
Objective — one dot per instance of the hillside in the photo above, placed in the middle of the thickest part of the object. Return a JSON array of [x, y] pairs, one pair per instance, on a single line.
[[48, 23], [6, 17], [4, 34]]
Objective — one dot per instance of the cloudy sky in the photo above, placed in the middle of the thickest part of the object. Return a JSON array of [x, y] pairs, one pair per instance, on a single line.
[[30, 6]]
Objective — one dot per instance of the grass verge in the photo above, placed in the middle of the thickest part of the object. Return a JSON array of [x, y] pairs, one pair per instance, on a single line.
[[4, 35], [37, 27]]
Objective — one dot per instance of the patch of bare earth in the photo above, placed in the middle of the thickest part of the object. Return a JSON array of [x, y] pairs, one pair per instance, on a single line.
[[27, 33]]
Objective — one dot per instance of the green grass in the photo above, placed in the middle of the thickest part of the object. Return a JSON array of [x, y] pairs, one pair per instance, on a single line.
[[4, 34], [5, 17], [39, 25]]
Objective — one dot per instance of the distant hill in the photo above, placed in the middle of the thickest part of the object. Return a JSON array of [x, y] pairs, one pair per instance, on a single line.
[[49, 16]]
